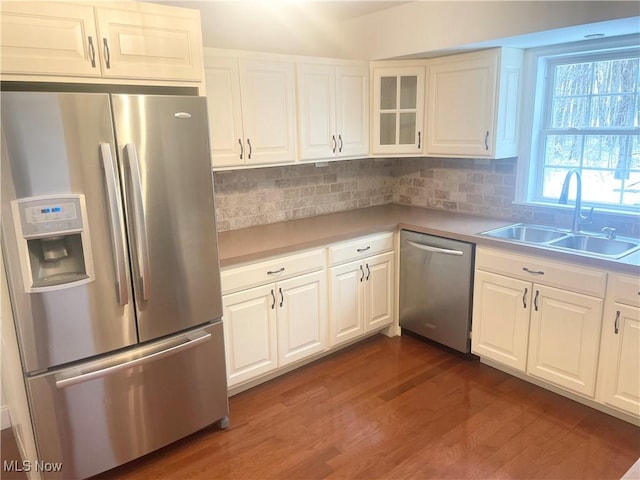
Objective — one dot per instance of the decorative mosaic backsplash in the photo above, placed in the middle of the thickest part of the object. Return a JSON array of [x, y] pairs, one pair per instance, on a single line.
[[246, 198]]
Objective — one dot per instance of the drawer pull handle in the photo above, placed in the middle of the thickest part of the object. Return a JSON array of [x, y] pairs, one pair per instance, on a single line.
[[361, 271], [273, 272], [281, 297], [273, 297], [616, 323], [335, 145], [368, 272], [360, 250], [241, 149], [524, 298], [535, 300], [533, 272]]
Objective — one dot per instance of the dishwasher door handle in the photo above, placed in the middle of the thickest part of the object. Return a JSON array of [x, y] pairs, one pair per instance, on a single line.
[[429, 248]]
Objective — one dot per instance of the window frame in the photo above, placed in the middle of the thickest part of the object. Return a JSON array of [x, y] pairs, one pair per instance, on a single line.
[[535, 100]]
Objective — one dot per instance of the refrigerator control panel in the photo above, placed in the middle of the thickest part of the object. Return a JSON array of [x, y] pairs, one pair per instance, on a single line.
[[42, 216]]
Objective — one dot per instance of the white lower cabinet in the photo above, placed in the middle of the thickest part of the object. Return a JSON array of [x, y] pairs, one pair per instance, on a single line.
[[501, 319], [302, 317], [619, 374], [347, 302], [539, 317], [361, 297], [275, 313], [273, 325], [250, 335], [564, 338], [362, 290]]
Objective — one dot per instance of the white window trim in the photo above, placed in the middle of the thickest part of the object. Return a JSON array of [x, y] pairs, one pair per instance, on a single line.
[[532, 110]]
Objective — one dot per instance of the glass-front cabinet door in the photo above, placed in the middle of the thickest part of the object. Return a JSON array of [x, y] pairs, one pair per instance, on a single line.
[[398, 110]]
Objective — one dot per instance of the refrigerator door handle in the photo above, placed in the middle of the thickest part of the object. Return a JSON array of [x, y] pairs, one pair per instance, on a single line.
[[117, 227], [139, 219], [64, 381], [429, 248]]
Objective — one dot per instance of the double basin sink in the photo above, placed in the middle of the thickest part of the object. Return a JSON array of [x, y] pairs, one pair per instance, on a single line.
[[555, 238]]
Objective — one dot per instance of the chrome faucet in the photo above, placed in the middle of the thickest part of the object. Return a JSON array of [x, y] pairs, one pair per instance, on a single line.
[[578, 217]]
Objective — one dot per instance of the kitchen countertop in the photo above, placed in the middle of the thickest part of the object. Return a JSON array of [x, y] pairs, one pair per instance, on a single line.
[[254, 243]]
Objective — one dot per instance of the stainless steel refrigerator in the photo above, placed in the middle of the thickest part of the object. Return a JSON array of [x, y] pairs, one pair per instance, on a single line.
[[110, 248]]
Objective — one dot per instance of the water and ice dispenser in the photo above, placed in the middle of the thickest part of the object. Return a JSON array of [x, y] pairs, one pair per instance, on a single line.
[[53, 241]]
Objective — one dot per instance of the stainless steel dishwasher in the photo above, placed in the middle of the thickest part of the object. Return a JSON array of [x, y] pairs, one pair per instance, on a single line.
[[436, 279]]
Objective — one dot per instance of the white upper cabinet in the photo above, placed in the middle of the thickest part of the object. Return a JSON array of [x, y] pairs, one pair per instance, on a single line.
[[333, 111], [138, 41], [398, 110], [158, 45], [251, 111], [473, 104], [49, 38]]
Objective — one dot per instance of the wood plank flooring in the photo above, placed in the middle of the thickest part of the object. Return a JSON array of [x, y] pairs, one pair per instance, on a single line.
[[398, 408]]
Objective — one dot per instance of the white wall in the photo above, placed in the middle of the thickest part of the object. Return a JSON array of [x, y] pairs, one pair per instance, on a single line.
[[432, 26], [317, 29]]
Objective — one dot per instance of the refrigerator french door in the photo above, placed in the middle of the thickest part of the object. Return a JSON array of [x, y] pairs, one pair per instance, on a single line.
[[111, 253]]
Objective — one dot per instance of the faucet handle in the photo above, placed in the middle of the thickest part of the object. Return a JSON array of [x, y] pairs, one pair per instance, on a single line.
[[610, 232], [586, 219]]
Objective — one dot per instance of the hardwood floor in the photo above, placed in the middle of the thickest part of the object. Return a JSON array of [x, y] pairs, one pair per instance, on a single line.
[[395, 408]]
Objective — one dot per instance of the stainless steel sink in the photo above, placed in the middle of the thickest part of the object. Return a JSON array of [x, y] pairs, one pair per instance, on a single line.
[[597, 245], [527, 233], [555, 238]]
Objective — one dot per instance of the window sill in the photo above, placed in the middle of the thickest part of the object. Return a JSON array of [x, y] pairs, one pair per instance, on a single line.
[[557, 208]]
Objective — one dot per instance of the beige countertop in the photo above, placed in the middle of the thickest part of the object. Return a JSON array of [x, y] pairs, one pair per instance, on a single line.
[[248, 244]]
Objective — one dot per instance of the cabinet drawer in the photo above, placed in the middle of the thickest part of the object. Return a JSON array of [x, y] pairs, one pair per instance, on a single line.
[[271, 270], [360, 248], [535, 269], [624, 289]]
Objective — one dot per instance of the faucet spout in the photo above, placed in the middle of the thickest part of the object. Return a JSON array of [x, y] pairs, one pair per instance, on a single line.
[[578, 217]]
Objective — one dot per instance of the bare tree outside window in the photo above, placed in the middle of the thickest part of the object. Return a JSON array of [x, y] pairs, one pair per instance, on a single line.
[[592, 123]]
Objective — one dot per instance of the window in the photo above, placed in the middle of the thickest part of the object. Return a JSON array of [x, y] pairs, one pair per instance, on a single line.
[[586, 117]]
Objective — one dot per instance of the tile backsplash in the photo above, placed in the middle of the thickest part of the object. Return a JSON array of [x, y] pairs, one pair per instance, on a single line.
[[246, 198]]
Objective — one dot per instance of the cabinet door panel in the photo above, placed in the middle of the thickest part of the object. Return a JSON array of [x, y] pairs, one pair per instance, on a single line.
[[316, 111], [250, 333], [352, 110], [565, 338], [501, 319], [152, 46], [302, 317], [619, 381], [461, 101], [347, 302], [398, 110], [268, 112], [222, 78], [49, 39], [379, 291]]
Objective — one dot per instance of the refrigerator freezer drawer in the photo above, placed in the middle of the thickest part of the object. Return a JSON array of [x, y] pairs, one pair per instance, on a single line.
[[101, 414]]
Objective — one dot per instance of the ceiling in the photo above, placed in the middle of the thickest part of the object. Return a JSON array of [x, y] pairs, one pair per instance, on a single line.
[[402, 29]]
